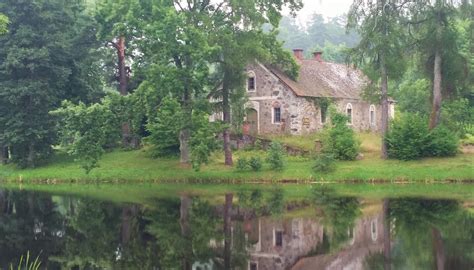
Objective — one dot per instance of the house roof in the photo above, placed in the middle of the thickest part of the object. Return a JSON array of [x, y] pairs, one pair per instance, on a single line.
[[323, 79]]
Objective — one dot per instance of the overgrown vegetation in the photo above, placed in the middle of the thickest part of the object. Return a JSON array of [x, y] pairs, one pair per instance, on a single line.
[[339, 139], [410, 138], [275, 156]]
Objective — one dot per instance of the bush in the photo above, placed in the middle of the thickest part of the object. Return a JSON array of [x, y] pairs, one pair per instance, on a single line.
[[203, 139], [407, 137], [275, 156], [324, 163], [410, 138], [255, 163], [242, 164], [164, 128], [338, 139], [441, 143]]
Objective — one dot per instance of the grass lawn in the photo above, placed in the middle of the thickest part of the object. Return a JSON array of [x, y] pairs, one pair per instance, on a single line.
[[136, 166]]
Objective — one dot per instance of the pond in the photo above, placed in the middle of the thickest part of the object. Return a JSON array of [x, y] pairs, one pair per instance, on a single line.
[[246, 227]]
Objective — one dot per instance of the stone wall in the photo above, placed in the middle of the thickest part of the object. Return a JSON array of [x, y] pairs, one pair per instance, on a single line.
[[299, 115]]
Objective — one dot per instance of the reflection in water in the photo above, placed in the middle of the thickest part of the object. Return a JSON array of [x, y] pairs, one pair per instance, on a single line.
[[248, 230]]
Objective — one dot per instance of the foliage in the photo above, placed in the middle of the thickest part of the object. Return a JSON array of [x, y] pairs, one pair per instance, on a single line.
[[164, 128], [203, 139], [324, 163], [275, 202], [442, 142], [46, 58], [85, 130], [413, 95], [3, 24], [410, 138], [458, 115], [275, 156], [251, 199], [242, 164], [338, 139], [255, 163]]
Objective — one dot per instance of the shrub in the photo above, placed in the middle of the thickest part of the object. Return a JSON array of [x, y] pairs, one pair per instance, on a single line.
[[203, 139], [324, 163], [164, 128], [242, 164], [409, 138], [275, 202], [441, 143], [255, 163], [275, 156], [338, 139]]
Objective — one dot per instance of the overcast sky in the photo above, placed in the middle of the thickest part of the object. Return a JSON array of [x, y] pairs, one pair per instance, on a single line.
[[328, 8]]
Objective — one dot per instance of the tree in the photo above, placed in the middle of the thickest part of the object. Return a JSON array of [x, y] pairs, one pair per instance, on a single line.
[[116, 20], [380, 49], [434, 31], [41, 62]]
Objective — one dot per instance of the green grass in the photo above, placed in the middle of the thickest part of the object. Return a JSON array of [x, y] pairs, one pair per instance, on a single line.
[[136, 166], [146, 193]]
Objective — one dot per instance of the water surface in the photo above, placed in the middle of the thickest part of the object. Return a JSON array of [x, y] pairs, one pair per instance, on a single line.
[[248, 228]]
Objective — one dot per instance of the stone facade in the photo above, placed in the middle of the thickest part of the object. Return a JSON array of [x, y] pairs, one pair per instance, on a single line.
[[299, 114]]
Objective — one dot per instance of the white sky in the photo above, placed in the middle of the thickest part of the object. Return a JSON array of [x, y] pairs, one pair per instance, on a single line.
[[328, 8]]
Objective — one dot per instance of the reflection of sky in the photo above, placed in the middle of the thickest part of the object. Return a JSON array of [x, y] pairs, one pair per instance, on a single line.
[[328, 8]]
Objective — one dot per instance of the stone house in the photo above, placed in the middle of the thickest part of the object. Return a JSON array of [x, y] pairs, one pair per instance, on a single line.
[[280, 105]]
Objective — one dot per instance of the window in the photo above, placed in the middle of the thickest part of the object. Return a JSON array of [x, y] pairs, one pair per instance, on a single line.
[[253, 266], [372, 115], [373, 230], [349, 113], [278, 238], [276, 115], [251, 85], [324, 111]]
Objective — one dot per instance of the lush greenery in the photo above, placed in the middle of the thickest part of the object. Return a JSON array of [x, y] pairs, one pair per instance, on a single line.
[[410, 138], [339, 139]]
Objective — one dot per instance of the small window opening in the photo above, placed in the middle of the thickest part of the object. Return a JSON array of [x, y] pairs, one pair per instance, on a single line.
[[372, 115], [349, 113], [253, 266], [276, 115], [278, 238]]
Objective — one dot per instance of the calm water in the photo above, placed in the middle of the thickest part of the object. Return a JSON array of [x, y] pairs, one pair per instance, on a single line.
[[249, 229]]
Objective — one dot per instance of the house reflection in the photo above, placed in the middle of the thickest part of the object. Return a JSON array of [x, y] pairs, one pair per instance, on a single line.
[[294, 243]]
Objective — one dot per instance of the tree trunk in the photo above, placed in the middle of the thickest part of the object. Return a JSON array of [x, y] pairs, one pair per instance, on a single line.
[[386, 234], [226, 115], [436, 104], [184, 136], [123, 81], [30, 161], [384, 90], [4, 156], [185, 231], [438, 249], [227, 230]]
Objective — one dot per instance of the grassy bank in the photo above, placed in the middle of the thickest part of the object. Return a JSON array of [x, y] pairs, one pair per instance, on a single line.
[[137, 166], [147, 193]]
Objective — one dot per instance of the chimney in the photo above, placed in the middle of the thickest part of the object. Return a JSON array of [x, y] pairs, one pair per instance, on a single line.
[[318, 56], [298, 53]]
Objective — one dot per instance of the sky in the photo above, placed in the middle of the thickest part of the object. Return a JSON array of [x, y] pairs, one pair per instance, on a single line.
[[328, 8]]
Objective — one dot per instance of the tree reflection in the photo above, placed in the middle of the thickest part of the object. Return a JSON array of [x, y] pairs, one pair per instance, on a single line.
[[339, 214]]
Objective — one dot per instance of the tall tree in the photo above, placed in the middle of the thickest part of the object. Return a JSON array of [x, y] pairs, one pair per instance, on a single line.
[[117, 20], [433, 29], [40, 66], [380, 48]]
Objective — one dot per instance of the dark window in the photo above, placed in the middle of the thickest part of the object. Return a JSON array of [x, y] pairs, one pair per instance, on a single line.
[[324, 110], [349, 113], [278, 238], [276, 115], [253, 266], [251, 84]]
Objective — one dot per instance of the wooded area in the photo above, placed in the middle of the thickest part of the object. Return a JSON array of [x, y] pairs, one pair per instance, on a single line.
[[87, 76]]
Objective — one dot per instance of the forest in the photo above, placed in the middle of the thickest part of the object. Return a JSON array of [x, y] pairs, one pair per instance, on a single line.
[[87, 77]]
